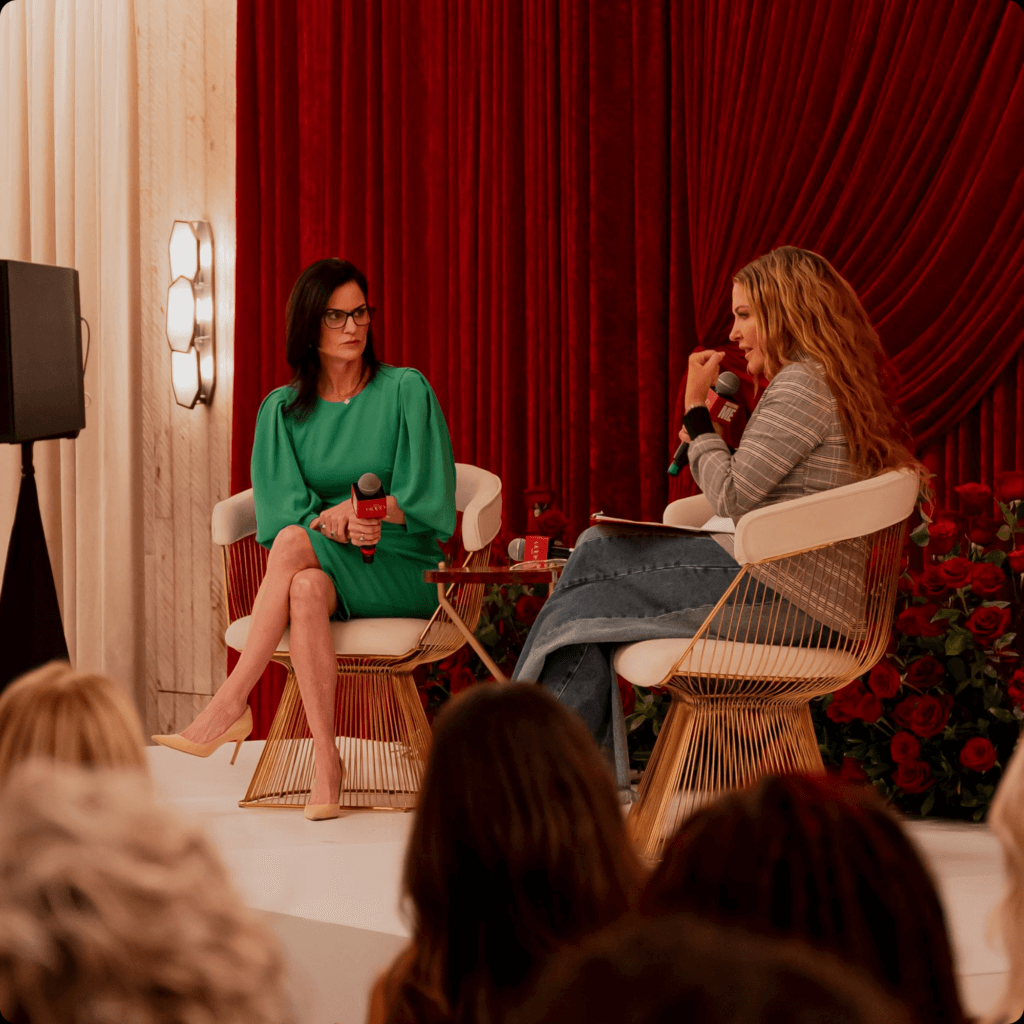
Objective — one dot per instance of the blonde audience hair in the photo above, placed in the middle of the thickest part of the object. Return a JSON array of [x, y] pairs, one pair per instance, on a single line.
[[114, 909], [804, 309], [1006, 820], [76, 717]]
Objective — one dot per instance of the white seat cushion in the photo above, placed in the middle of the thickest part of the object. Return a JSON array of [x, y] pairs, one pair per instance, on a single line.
[[389, 637], [648, 662]]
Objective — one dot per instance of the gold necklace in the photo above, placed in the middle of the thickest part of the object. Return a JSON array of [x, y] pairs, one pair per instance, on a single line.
[[352, 394]]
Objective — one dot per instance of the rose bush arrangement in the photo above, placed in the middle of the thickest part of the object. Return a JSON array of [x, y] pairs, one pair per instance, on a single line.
[[933, 724]]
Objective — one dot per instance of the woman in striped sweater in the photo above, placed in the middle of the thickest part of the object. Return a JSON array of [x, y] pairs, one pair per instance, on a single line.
[[823, 421]]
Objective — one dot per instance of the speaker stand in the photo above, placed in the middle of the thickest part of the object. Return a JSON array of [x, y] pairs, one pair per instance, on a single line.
[[31, 630]]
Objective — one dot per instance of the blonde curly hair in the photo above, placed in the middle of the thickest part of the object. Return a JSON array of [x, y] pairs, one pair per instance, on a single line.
[[803, 308], [114, 909], [76, 717]]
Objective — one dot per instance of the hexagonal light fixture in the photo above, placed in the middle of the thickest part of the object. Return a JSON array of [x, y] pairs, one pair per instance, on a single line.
[[181, 315], [190, 312]]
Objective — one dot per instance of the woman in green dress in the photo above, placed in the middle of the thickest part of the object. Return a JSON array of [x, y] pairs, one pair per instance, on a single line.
[[343, 414]]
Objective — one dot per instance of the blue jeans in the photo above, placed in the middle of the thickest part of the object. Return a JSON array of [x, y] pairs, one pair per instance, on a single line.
[[622, 584]]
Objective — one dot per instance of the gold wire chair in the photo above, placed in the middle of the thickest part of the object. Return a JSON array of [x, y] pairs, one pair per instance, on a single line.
[[810, 610], [382, 729]]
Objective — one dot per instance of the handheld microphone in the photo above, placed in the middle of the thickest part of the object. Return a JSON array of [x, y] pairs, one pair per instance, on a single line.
[[369, 502], [719, 406], [535, 549]]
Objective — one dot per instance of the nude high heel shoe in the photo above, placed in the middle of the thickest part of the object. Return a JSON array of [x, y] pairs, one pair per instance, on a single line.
[[238, 731], [320, 812]]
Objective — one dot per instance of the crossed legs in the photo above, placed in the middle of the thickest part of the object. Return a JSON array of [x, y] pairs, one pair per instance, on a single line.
[[294, 589]]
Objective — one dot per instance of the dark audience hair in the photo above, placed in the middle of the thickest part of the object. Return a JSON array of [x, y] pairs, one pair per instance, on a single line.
[[679, 968], [518, 847], [824, 862], [303, 319]]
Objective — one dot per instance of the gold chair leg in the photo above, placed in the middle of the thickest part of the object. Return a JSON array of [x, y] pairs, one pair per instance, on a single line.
[[383, 738], [709, 745]]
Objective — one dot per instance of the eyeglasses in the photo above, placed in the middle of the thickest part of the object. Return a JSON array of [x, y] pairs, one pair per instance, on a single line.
[[337, 318]]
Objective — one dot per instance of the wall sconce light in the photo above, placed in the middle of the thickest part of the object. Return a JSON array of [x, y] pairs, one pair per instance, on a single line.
[[190, 312]]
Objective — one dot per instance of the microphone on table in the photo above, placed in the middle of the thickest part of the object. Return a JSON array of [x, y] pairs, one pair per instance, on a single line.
[[721, 409], [369, 502], [533, 548]]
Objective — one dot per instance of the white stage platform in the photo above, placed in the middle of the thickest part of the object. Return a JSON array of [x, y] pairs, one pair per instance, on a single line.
[[330, 888]]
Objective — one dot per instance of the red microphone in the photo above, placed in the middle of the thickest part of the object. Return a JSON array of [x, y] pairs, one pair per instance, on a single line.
[[369, 502]]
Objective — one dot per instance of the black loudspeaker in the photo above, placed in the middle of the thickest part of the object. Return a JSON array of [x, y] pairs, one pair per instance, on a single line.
[[42, 390]]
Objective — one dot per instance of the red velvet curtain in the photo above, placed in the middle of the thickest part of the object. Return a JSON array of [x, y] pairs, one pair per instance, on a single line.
[[550, 198]]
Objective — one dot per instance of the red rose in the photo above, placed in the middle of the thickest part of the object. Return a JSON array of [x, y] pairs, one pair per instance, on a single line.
[[460, 657], [923, 714], [930, 715], [957, 571], [854, 702], [924, 673], [942, 536], [904, 747], [460, 679], [983, 532], [627, 695], [551, 522], [978, 754], [988, 624], [932, 583], [1016, 560], [917, 621], [1010, 486], [884, 680], [974, 498], [853, 770], [913, 776], [527, 609], [987, 579], [1015, 689]]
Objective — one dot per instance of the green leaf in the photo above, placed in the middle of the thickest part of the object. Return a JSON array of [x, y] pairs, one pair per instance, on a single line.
[[932, 644], [957, 641], [1002, 715], [1011, 519], [1004, 641], [928, 803], [995, 557], [995, 604], [920, 535], [947, 613], [961, 686], [1004, 533], [957, 669], [992, 696]]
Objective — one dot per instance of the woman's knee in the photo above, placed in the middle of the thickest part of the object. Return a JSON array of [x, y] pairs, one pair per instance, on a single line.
[[292, 548], [311, 591]]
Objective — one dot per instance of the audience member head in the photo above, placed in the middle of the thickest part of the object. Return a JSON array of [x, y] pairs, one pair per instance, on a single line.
[[820, 861], [112, 909], [1006, 819], [804, 310], [518, 845], [76, 717], [681, 968]]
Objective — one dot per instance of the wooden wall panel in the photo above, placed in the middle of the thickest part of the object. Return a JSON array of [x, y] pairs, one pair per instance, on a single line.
[[186, 83]]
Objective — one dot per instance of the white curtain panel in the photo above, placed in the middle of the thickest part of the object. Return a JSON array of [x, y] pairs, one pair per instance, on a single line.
[[69, 196]]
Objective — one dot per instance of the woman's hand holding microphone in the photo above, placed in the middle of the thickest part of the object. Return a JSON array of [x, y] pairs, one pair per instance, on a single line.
[[341, 524]]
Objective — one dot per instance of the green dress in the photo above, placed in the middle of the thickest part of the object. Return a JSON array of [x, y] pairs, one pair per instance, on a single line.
[[395, 428]]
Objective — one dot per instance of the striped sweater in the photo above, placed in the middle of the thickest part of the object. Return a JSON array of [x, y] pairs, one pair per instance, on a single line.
[[794, 445]]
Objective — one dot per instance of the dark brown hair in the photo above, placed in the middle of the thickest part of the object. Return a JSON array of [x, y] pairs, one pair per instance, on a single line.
[[303, 317], [820, 861], [681, 968], [518, 846]]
